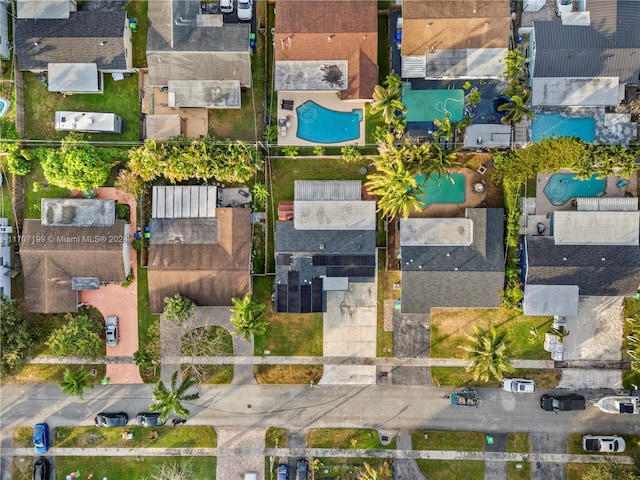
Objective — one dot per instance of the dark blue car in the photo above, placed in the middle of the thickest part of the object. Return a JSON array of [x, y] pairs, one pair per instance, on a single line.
[[283, 472], [41, 438]]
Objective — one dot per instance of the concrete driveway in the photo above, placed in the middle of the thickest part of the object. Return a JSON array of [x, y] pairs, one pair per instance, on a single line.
[[234, 467], [113, 299], [349, 330], [595, 334]]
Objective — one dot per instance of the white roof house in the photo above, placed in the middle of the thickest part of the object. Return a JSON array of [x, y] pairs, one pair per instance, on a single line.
[[574, 91], [74, 78], [415, 232], [596, 228], [334, 215]]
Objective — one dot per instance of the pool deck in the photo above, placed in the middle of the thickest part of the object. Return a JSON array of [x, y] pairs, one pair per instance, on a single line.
[[545, 207], [327, 100]]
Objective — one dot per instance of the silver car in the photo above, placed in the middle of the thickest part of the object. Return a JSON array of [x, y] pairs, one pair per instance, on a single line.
[[518, 385], [245, 9], [226, 6], [111, 330]]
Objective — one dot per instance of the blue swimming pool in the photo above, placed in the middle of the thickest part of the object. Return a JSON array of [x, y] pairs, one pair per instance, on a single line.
[[440, 189], [321, 125], [550, 124], [562, 187]]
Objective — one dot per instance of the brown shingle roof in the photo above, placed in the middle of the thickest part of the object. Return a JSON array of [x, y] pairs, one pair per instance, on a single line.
[[454, 24], [344, 30], [57, 254], [210, 274]]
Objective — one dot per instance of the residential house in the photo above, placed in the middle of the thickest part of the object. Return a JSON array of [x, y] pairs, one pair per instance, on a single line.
[[448, 39], [5, 260], [202, 60], [589, 58], [77, 245], [330, 243], [452, 262], [329, 45], [595, 253], [75, 47], [196, 249]]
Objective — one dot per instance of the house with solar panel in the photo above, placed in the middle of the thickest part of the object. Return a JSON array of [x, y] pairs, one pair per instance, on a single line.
[[452, 262], [324, 242]]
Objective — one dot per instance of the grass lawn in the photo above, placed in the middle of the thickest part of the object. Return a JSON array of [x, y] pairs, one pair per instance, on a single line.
[[120, 97], [22, 437], [145, 319], [130, 467], [575, 445], [258, 254], [276, 438], [447, 470], [518, 471], [44, 373], [288, 374], [386, 280], [365, 439], [33, 200], [458, 376], [577, 471], [518, 443], [447, 440], [631, 310], [371, 122], [449, 330], [138, 9], [344, 468], [168, 437]]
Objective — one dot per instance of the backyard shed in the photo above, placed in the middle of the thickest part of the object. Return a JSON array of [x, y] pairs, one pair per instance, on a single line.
[[487, 136], [74, 78], [204, 94], [94, 122]]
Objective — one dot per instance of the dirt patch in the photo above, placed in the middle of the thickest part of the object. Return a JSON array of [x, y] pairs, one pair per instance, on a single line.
[[456, 321]]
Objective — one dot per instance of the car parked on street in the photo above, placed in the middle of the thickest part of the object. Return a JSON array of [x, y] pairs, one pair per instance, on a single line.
[[562, 403], [302, 469], [41, 438], [119, 419], [111, 330], [603, 443], [245, 9], [41, 469], [518, 385], [282, 472], [146, 419]]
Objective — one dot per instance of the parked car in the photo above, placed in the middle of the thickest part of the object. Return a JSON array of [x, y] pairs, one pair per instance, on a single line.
[[119, 419], [41, 469], [147, 419], [562, 403], [245, 9], [619, 404], [226, 6], [111, 330], [282, 472], [518, 385], [41, 438], [603, 443], [302, 467]]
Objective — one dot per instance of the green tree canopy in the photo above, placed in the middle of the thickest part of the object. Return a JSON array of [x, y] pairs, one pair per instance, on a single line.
[[169, 400], [247, 316], [178, 308], [75, 383], [488, 351], [80, 336], [15, 337]]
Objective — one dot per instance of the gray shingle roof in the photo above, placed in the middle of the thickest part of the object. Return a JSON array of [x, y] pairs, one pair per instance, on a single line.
[[85, 37], [583, 265], [440, 276], [606, 48], [354, 242]]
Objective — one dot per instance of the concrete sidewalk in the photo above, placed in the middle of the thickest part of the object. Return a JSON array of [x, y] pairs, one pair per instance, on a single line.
[[322, 452]]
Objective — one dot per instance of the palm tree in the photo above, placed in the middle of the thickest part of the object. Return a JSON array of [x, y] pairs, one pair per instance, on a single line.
[[247, 316], [585, 165], [170, 400], [387, 101], [75, 383], [396, 189], [516, 108], [488, 351], [260, 194], [393, 81], [442, 160], [445, 128]]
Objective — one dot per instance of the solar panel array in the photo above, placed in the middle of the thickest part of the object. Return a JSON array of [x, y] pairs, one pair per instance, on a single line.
[[296, 298], [344, 260]]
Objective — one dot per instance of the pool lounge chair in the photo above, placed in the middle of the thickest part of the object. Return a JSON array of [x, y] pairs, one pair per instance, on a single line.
[[287, 105]]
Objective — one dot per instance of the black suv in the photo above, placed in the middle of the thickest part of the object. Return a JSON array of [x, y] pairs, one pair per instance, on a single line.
[[41, 469], [562, 403], [111, 419], [146, 419]]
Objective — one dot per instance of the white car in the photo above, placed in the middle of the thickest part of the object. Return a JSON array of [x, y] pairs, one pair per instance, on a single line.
[[226, 6], [564, 6], [518, 385], [111, 330], [603, 443], [245, 9]]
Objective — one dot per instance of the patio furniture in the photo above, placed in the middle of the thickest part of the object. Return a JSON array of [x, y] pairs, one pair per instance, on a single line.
[[622, 183], [287, 105]]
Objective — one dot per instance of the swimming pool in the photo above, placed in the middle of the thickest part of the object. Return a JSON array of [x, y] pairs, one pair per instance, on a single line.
[[549, 124], [4, 106], [321, 125], [562, 187], [440, 189], [430, 105]]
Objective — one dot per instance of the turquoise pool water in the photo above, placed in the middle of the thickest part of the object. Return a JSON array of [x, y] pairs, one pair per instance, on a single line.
[[321, 125], [440, 189], [549, 124], [4, 106], [430, 105], [562, 187]]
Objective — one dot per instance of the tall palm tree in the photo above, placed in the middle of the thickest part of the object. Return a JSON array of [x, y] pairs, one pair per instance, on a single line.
[[488, 351], [517, 108], [393, 81], [170, 400], [247, 316], [387, 101], [75, 383], [585, 164], [442, 160], [396, 189]]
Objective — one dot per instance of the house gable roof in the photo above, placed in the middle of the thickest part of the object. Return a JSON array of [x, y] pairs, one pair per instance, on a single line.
[[456, 275], [85, 37]]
